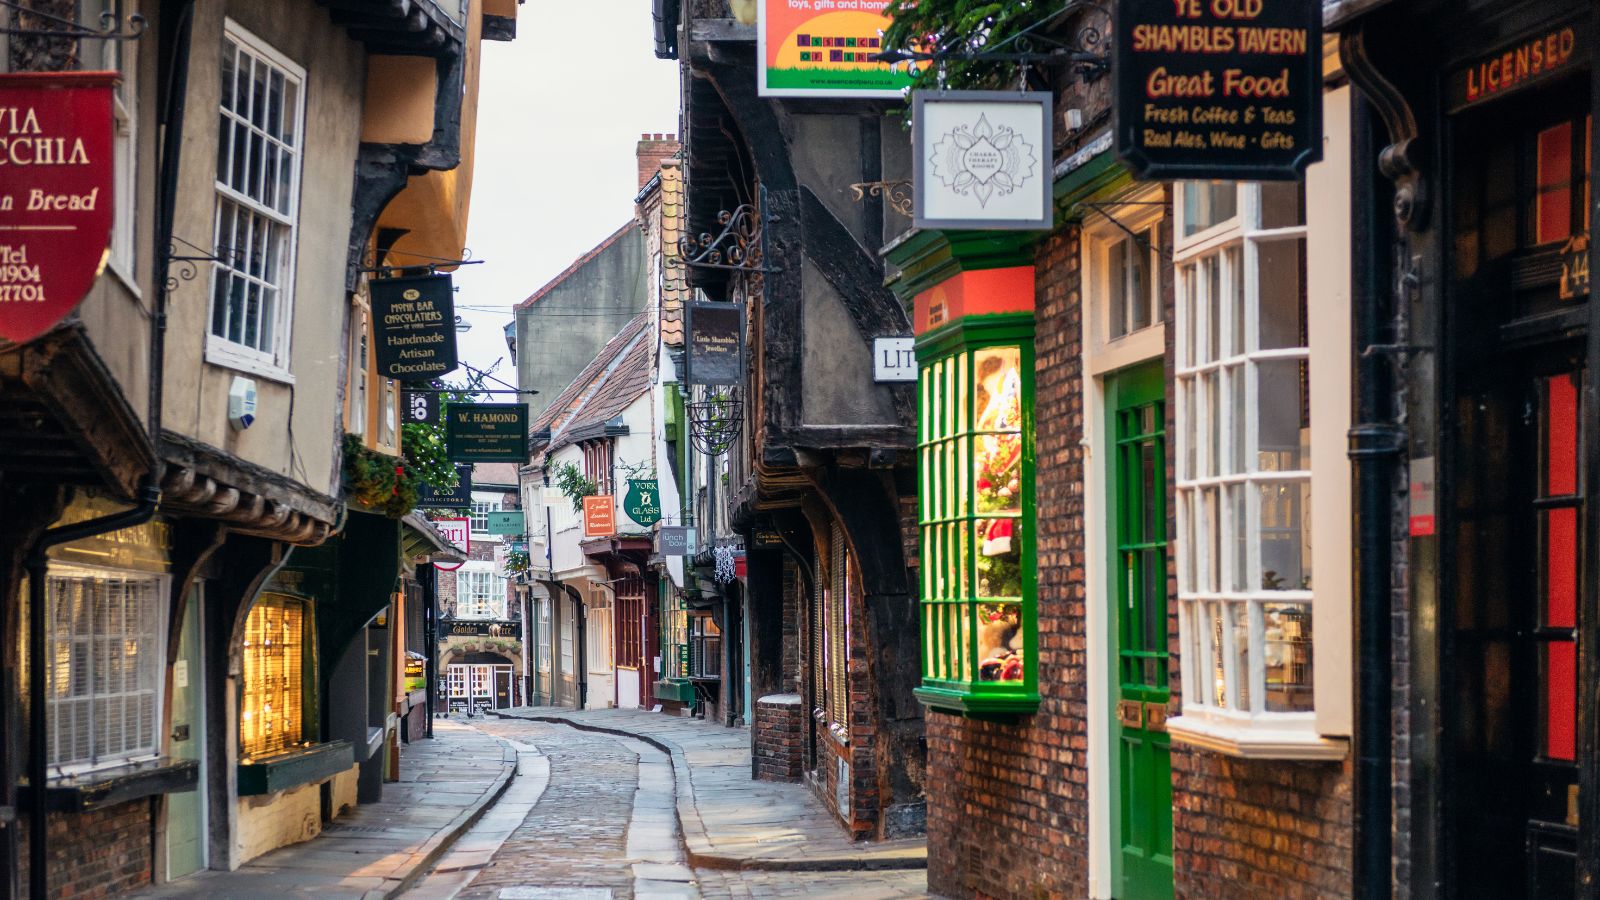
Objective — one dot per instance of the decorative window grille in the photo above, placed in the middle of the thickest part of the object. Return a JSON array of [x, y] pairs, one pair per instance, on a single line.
[[1244, 452], [258, 188], [106, 665], [480, 594], [271, 716]]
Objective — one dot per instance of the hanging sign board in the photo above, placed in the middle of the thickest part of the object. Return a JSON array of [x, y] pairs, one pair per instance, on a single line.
[[419, 407], [642, 503], [487, 432], [1226, 90], [505, 521], [716, 343], [458, 532], [675, 540], [55, 195], [414, 326], [982, 160], [458, 497], [824, 48], [894, 359], [483, 628], [600, 515]]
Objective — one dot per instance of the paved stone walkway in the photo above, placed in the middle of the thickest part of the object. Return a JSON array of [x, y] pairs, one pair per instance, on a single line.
[[379, 849], [730, 821], [593, 815]]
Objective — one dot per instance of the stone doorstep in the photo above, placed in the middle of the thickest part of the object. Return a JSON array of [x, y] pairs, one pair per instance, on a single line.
[[700, 848]]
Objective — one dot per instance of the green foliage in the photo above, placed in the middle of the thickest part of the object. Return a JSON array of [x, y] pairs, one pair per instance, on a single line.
[[424, 449], [939, 26], [378, 481], [571, 483], [517, 561]]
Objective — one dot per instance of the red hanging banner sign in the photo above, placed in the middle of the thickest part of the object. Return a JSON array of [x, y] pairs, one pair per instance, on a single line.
[[56, 171]]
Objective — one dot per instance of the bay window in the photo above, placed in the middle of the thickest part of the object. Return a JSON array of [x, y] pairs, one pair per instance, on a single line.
[[271, 710], [480, 594], [976, 516], [1247, 583]]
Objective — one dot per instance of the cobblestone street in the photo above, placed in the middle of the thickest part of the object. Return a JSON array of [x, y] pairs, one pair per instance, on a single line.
[[590, 816]]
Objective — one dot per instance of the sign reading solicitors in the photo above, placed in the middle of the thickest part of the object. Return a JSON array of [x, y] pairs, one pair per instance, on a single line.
[[55, 195], [982, 160], [414, 322], [1219, 89], [487, 432]]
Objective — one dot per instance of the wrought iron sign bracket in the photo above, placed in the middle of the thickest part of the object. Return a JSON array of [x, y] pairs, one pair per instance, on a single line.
[[897, 194], [187, 268], [739, 247], [111, 25]]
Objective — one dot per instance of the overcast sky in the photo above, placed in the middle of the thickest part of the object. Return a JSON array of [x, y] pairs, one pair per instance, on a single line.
[[560, 110]]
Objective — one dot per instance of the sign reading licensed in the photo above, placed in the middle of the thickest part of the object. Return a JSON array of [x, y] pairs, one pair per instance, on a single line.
[[1522, 65], [414, 323], [56, 186], [1219, 89]]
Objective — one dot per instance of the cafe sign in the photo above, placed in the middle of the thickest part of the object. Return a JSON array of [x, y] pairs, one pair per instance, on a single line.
[[56, 190], [414, 323], [1225, 90], [487, 432]]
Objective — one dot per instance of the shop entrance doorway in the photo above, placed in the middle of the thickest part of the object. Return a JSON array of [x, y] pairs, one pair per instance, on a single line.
[[1136, 409], [476, 687]]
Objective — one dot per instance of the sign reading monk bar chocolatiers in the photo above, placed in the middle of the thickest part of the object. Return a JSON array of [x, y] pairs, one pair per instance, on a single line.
[[1219, 89], [414, 323]]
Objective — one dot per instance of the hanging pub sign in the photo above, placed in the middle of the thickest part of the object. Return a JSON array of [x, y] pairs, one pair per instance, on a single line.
[[484, 628], [55, 195], [982, 160], [642, 503], [825, 48], [716, 343], [487, 432], [599, 515], [458, 497], [1225, 90], [414, 326], [1549, 53], [419, 407]]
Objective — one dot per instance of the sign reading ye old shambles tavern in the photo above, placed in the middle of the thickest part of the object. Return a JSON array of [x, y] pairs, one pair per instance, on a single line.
[[1218, 89]]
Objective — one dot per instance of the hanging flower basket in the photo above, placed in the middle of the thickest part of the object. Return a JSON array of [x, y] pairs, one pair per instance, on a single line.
[[377, 481]]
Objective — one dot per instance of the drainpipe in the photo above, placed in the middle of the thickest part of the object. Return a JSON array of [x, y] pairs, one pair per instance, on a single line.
[[430, 639], [580, 618], [38, 738], [1376, 445]]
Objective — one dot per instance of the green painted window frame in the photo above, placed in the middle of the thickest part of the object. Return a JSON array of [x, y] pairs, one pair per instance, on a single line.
[[950, 661]]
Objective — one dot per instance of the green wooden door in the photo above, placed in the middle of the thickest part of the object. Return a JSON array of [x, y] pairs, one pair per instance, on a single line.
[[186, 811], [1136, 409]]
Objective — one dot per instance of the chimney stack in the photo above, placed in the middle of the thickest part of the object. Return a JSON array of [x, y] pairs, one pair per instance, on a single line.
[[652, 150]]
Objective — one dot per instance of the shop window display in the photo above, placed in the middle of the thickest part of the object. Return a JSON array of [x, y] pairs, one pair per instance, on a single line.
[[976, 516]]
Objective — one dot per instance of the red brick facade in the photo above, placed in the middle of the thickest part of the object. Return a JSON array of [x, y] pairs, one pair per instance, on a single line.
[[780, 737], [101, 853]]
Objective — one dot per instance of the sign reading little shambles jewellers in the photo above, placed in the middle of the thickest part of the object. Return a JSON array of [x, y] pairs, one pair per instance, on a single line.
[[56, 170], [414, 321], [487, 432], [1219, 89]]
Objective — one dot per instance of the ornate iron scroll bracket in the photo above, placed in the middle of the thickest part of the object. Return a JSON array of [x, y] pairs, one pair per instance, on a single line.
[[111, 24], [716, 421], [895, 193], [1401, 161], [737, 248], [187, 268]]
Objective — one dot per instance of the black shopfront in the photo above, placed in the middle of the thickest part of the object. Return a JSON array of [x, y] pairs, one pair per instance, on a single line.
[[1478, 344]]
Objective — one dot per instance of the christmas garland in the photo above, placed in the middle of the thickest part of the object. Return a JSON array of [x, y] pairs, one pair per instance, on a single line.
[[377, 481], [962, 26]]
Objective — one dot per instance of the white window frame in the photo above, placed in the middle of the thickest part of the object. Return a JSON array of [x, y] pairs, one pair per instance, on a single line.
[[1234, 245], [472, 603], [219, 349], [154, 655], [1139, 211], [122, 57], [359, 352], [478, 515]]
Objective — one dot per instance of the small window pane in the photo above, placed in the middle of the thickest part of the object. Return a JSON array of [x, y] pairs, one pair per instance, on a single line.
[[998, 558], [1208, 203], [1283, 204], [1001, 648], [1116, 270], [1285, 536], [1281, 413], [1286, 656], [1282, 294]]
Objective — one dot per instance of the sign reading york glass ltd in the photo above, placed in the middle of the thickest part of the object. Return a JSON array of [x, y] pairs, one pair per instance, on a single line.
[[414, 322], [642, 503], [56, 170], [1218, 89], [825, 48], [982, 160], [487, 432]]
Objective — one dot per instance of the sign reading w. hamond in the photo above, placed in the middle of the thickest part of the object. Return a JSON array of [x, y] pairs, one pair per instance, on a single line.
[[487, 432], [414, 323], [1218, 89]]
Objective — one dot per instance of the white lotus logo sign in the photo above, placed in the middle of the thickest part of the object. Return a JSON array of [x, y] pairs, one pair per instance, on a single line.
[[980, 160]]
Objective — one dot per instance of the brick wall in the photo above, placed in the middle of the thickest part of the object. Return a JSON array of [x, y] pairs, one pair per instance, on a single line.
[[779, 737], [789, 665], [1008, 803], [101, 853], [652, 150]]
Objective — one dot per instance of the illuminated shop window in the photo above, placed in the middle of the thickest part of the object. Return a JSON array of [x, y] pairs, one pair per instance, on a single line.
[[271, 712], [976, 516]]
